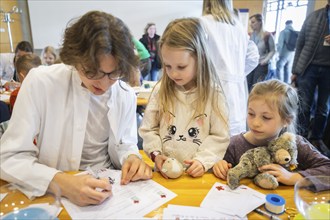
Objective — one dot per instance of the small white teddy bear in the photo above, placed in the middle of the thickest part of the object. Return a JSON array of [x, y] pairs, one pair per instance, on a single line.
[[172, 168]]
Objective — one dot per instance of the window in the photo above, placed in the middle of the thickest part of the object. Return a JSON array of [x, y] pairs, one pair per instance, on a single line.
[[279, 11]]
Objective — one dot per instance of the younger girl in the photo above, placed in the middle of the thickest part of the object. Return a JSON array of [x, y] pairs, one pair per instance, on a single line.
[[272, 109], [186, 117]]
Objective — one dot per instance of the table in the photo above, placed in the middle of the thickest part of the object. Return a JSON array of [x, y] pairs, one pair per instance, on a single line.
[[191, 192], [5, 97], [142, 101]]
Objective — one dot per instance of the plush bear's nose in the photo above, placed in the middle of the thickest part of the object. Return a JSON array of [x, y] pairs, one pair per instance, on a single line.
[[282, 156]]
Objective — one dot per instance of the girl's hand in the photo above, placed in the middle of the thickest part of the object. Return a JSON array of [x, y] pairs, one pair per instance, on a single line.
[[82, 190], [282, 175], [220, 169], [159, 161], [135, 169], [195, 168]]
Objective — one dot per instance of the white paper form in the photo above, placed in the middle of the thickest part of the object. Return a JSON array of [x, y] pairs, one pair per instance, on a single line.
[[238, 202], [129, 201], [2, 196], [191, 212]]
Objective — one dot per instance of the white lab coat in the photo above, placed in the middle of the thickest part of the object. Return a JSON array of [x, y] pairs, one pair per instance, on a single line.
[[53, 106], [234, 57]]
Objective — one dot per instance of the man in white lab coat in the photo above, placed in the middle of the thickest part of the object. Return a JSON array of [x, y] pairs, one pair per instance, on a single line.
[[80, 114]]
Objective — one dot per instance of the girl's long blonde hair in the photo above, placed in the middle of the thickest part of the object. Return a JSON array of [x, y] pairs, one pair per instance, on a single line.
[[188, 34], [221, 10]]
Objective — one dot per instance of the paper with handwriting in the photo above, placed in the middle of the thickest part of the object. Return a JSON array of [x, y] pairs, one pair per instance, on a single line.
[[128, 201], [240, 201]]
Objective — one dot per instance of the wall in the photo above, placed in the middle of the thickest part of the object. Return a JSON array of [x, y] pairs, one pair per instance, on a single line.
[[16, 30], [49, 18], [253, 5], [144, 10], [320, 4]]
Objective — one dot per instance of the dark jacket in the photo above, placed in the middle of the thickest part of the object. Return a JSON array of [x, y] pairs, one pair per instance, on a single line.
[[309, 38], [144, 41]]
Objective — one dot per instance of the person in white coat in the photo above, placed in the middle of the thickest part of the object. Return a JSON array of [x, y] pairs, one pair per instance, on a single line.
[[234, 57], [80, 114]]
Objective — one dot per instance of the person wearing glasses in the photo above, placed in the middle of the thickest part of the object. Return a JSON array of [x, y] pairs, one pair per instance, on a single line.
[[81, 115]]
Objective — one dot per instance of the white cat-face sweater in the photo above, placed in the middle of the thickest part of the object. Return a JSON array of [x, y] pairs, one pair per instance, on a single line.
[[177, 134]]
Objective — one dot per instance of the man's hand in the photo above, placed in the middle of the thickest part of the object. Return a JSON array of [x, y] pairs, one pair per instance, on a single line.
[[293, 80], [82, 190], [135, 169]]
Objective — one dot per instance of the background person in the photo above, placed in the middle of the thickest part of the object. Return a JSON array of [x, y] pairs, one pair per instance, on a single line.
[[22, 48], [234, 57], [49, 56], [266, 47], [284, 63], [23, 65], [311, 73], [149, 40]]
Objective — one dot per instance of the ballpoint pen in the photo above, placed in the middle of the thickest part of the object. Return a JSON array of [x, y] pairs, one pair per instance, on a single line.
[[96, 176], [269, 215], [91, 172]]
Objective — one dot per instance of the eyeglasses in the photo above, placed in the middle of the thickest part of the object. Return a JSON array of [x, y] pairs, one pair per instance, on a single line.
[[114, 75]]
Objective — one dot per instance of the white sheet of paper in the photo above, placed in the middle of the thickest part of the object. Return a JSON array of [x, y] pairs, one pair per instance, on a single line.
[[222, 199], [4, 97], [131, 201], [192, 212], [2, 195]]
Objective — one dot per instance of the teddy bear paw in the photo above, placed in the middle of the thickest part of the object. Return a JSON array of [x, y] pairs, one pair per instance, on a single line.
[[232, 181], [266, 181]]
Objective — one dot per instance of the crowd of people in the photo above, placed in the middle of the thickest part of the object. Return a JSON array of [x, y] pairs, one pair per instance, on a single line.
[[211, 103]]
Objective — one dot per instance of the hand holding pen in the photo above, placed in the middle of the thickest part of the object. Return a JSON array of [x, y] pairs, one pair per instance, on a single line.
[[96, 176], [83, 189]]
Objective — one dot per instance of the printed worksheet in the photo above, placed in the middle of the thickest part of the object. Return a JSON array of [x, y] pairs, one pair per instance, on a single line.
[[130, 201], [222, 199]]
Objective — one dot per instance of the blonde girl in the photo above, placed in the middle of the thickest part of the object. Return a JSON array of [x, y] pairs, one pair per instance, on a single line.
[[49, 55], [272, 110], [187, 116]]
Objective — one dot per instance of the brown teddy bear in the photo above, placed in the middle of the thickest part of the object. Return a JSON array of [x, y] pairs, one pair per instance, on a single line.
[[282, 150]]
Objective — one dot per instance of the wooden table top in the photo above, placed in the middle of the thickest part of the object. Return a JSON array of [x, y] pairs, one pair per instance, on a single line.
[[5, 97], [142, 101], [191, 192]]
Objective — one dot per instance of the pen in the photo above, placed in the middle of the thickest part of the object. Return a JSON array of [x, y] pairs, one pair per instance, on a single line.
[[96, 176], [91, 172], [270, 216]]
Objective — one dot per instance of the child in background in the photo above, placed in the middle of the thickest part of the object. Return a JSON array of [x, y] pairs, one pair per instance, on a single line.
[[272, 110], [48, 56], [23, 65], [186, 117]]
